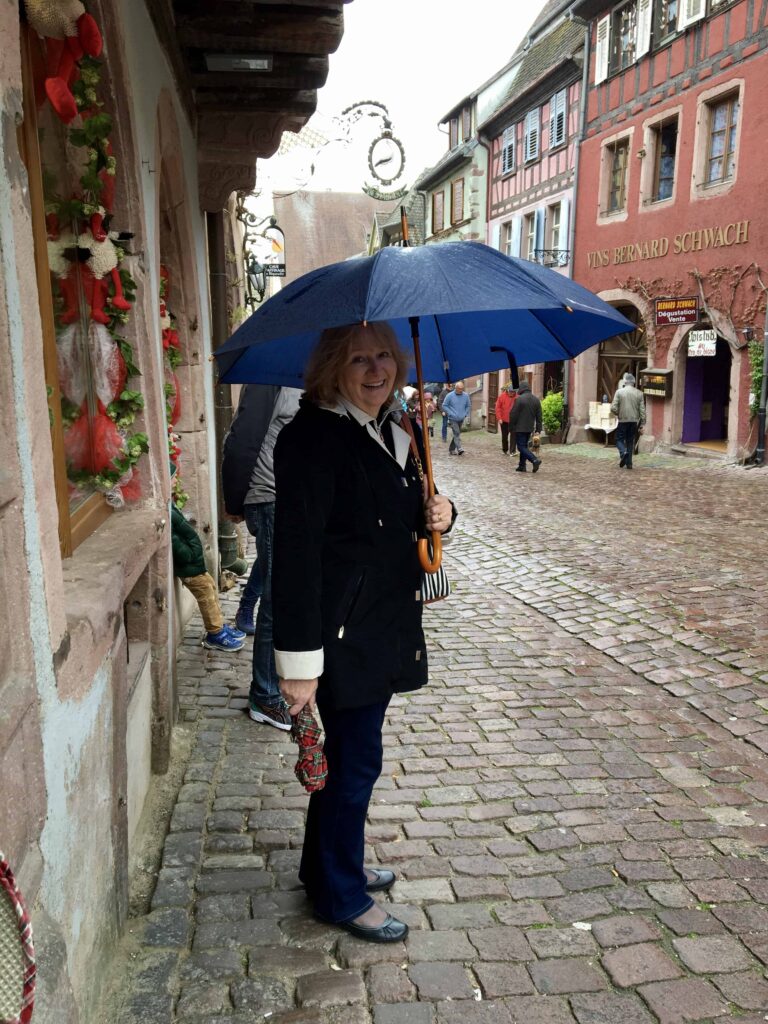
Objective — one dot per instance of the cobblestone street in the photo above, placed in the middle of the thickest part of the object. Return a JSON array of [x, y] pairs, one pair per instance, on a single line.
[[576, 807]]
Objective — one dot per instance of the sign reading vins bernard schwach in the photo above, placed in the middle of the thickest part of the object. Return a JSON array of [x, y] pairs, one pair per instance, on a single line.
[[696, 240]]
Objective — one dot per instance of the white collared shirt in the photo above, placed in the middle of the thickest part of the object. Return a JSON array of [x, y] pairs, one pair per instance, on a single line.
[[402, 439]]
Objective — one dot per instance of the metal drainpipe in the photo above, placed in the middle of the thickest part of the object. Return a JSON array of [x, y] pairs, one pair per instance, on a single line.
[[572, 225], [760, 450], [222, 393]]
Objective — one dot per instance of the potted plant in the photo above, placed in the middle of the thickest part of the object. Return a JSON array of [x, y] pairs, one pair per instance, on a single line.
[[552, 416]]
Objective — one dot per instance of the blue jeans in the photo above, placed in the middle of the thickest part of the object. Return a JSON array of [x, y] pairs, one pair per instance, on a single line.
[[334, 837], [625, 440], [253, 588], [444, 427], [521, 441], [265, 685]]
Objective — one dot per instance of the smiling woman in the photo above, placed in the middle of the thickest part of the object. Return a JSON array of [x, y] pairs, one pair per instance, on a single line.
[[342, 358]]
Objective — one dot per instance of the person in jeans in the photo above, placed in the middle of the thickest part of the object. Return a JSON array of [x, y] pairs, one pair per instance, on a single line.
[[524, 419], [457, 407], [443, 415], [248, 454], [629, 406]]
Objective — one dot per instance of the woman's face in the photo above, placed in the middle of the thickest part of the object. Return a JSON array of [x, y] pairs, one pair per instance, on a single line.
[[368, 375]]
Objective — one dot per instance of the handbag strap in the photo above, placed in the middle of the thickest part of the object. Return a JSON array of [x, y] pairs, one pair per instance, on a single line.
[[407, 426]]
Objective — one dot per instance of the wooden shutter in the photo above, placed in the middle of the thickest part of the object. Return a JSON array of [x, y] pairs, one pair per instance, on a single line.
[[532, 132], [691, 11], [565, 223], [457, 201], [539, 228], [453, 132], [508, 150], [496, 236], [438, 211], [517, 234], [644, 20], [466, 123], [602, 49], [557, 114]]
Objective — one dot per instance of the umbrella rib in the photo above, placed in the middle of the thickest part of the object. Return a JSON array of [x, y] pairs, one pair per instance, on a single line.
[[446, 360], [549, 330]]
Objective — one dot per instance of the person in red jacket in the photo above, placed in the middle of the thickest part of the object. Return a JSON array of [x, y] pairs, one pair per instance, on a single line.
[[504, 403]]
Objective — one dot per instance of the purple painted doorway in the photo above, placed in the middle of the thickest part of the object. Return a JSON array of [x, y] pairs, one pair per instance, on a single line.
[[707, 393]]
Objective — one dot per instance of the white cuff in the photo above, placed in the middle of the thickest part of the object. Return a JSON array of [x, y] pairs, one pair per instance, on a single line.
[[299, 664]]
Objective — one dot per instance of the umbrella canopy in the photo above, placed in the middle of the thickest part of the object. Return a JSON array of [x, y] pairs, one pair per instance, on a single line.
[[476, 308], [311, 768]]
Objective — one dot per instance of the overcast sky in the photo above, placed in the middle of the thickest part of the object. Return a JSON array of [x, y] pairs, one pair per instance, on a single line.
[[419, 58]]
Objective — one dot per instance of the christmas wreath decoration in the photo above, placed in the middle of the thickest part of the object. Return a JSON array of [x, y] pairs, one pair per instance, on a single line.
[[94, 290]]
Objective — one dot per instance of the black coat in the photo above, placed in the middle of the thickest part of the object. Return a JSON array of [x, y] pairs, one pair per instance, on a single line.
[[243, 443], [526, 414], [346, 576]]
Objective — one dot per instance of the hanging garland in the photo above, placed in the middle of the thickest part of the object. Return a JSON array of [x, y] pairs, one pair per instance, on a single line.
[[171, 359], [88, 261]]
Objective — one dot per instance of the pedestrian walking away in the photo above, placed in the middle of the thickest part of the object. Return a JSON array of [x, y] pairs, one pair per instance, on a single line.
[[457, 407], [628, 406], [350, 507], [189, 566], [524, 419], [505, 401], [444, 415], [248, 483]]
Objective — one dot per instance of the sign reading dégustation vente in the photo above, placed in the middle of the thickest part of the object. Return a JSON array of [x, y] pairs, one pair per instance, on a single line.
[[702, 343], [695, 240], [677, 311]]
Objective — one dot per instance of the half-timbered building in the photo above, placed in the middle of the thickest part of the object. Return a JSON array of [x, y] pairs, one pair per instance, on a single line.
[[671, 224]]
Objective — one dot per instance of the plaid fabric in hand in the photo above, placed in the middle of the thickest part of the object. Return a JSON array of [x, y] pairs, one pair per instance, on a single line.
[[311, 768]]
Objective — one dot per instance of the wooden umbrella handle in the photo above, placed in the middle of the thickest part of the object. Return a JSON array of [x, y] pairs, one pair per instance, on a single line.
[[433, 564], [428, 564]]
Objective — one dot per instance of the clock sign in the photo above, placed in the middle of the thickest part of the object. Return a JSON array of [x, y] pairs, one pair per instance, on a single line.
[[386, 158]]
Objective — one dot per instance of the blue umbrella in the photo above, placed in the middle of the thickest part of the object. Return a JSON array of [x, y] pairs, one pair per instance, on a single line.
[[476, 307], [467, 308]]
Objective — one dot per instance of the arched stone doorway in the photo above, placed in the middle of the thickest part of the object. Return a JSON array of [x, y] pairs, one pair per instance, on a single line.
[[624, 353], [704, 410]]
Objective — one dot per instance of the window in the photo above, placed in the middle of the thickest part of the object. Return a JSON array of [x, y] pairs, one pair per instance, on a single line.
[[453, 133], [532, 133], [438, 211], [624, 36], [721, 144], [508, 151], [554, 223], [529, 236], [466, 123], [617, 183], [557, 118], [511, 237], [664, 20], [457, 201], [665, 152]]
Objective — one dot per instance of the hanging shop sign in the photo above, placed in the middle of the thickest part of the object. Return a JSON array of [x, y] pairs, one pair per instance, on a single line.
[[274, 263], [656, 383], [671, 312], [702, 343], [696, 240]]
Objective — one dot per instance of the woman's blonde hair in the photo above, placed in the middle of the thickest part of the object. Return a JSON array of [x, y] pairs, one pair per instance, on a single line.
[[328, 358]]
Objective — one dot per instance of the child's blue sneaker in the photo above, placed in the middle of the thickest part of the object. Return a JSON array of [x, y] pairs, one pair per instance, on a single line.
[[222, 641]]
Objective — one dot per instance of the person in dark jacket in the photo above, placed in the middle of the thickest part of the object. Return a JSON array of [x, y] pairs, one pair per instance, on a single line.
[[189, 566], [524, 419], [346, 597]]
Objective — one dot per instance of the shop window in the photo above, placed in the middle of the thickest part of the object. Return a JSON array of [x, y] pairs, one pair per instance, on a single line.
[[557, 118], [723, 117], [532, 135], [85, 294], [665, 155], [508, 150], [438, 211], [457, 201]]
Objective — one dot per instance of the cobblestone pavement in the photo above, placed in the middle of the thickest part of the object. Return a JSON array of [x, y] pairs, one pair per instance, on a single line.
[[576, 807]]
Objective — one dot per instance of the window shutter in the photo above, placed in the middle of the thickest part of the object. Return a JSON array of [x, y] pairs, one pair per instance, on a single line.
[[508, 150], [532, 132], [539, 228], [496, 236], [557, 113], [644, 18], [457, 201], [565, 223], [692, 10], [466, 123], [453, 132], [438, 199], [602, 49], [517, 234]]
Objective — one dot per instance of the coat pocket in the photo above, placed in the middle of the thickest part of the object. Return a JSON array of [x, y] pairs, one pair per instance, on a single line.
[[349, 604]]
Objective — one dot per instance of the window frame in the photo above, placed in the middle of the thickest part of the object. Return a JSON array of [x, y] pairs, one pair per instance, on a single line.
[[733, 112], [658, 156], [707, 101], [554, 218], [609, 145], [615, 66], [659, 40], [76, 525], [457, 186], [435, 196], [529, 235]]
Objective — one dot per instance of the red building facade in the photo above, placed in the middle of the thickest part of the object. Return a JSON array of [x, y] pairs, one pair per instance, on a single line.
[[672, 218]]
